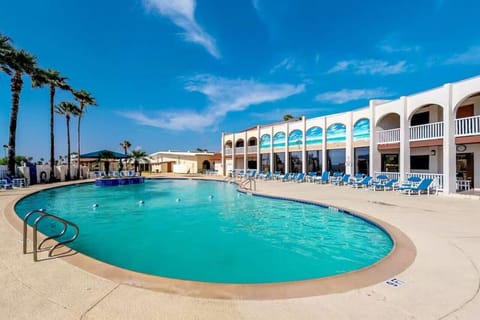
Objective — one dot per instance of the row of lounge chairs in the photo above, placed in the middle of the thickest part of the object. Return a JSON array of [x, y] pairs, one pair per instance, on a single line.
[[414, 185]]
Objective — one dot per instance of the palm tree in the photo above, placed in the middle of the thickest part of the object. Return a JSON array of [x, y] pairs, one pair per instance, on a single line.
[[125, 145], [84, 99], [137, 155], [67, 109], [54, 80], [106, 156], [15, 63]]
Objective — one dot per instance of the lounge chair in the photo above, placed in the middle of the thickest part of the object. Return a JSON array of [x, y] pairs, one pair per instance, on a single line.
[[323, 178], [336, 177], [364, 183], [311, 176], [284, 177], [423, 186], [343, 181], [5, 184], [382, 185], [299, 177]]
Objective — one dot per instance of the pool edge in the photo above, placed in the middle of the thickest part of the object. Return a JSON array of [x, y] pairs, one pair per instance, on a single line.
[[399, 259]]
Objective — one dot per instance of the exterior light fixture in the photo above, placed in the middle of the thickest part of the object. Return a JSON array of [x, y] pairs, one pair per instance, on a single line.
[[433, 153]]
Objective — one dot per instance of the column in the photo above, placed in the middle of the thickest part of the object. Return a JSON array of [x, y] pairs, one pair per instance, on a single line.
[[259, 165], [449, 147], [287, 162], [272, 169], [324, 145], [404, 157], [374, 155], [245, 151], [234, 143], [349, 160], [223, 154], [304, 145]]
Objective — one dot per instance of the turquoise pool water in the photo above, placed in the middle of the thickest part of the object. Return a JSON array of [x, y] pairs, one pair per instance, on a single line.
[[207, 231]]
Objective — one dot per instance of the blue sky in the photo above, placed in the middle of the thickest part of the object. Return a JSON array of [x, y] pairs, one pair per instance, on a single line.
[[175, 74]]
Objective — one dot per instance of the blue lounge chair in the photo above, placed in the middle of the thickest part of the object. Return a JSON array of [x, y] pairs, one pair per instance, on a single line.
[[381, 185], [284, 177], [343, 181], [323, 178], [5, 184], [364, 183], [300, 177], [423, 186], [311, 176]]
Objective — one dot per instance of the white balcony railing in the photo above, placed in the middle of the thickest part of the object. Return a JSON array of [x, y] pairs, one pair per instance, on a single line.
[[239, 150], [228, 151], [252, 149], [467, 126], [427, 131], [437, 178], [463, 127], [388, 136]]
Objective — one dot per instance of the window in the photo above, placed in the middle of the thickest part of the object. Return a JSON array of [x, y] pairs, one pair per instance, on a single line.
[[419, 162], [336, 160], [279, 162], [420, 118], [362, 157], [295, 161], [265, 162], [390, 162], [314, 161]]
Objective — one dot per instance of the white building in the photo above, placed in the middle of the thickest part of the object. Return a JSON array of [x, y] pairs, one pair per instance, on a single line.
[[435, 133]]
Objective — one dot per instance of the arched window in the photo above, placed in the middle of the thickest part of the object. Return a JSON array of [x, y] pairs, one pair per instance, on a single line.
[[265, 141], [337, 132], [314, 135], [295, 138], [361, 130], [279, 140]]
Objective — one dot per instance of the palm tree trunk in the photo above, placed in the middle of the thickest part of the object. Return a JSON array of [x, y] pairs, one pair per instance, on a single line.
[[78, 141], [68, 148], [52, 134], [16, 88]]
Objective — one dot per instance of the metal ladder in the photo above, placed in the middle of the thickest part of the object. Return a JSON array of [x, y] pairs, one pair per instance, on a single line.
[[40, 215], [251, 182]]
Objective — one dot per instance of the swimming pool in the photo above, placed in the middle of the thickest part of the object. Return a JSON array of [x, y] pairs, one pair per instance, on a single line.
[[207, 231]]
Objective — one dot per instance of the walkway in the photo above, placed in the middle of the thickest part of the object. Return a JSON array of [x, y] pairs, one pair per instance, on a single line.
[[442, 283]]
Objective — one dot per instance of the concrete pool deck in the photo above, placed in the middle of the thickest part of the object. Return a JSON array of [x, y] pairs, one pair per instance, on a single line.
[[442, 282]]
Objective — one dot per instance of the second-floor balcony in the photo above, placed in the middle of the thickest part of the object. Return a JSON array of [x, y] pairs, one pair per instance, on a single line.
[[463, 127], [240, 150]]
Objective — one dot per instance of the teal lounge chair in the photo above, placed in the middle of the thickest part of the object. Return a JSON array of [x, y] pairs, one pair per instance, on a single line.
[[300, 177], [423, 186], [323, 178], [390, 184], [343, 180], [5, 184], [364, 183]]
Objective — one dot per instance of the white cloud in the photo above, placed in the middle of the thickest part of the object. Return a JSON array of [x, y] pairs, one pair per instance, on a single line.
[[285, 64], [182, 13], [471, 56], [370, 66], [390, 48], [346, 95], [224, 96]]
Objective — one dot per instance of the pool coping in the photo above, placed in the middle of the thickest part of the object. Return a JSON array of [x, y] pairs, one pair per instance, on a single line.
[[399, 259]]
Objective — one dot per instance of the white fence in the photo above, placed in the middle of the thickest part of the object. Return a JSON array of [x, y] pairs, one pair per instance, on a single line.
[[437, 177], [467, 126], [388, 136], [427, 131], [228, 151], [252, 149]]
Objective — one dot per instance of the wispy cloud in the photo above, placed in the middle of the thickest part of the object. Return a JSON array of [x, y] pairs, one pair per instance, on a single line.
[[347, 95], [224, 96], [370, 66], [272, 115], [182, 13], [393, 48], [471, 56], [285, 64]]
